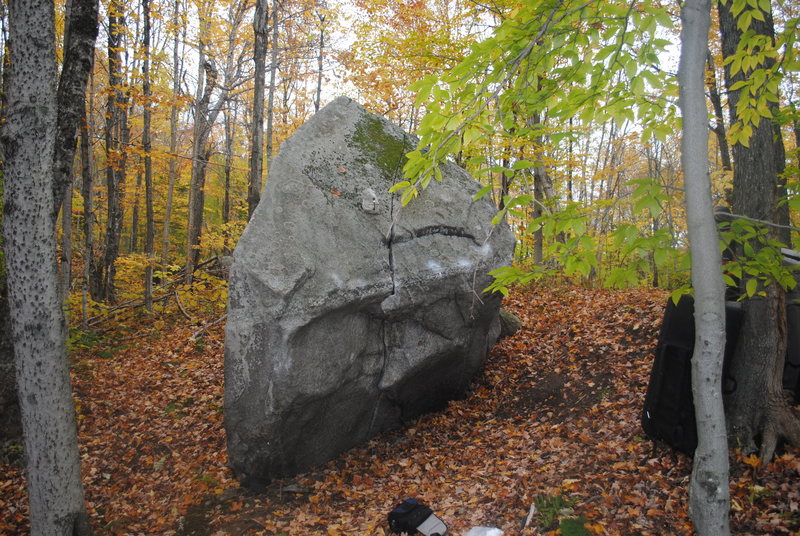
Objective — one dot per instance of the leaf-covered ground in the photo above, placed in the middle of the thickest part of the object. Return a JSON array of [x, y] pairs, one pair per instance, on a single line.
[[553, 422]]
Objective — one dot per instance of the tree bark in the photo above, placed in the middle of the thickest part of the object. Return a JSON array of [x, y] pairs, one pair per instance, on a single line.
[[204, 120], [37, 320], [320, 57], [542, 187], [205, 117], [116, 149], [719, 125], [150, 228], [65, 265], [757, 407], [133, 241], [709, 500], [173, 135], [796, 129], [273, 69], [782, 215], [79, 41], [230, 132], [260, 28], [10, 423], [91, 272]]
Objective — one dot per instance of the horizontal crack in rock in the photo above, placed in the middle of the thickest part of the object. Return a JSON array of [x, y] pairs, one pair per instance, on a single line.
[[444, 230]]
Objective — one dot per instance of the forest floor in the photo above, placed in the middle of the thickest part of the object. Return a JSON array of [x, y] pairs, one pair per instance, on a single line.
[[552, 421]]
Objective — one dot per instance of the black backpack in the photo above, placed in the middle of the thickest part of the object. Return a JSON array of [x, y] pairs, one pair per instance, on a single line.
[[412, 517]]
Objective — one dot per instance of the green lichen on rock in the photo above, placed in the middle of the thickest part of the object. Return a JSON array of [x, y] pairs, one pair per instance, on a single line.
[[381, 147]]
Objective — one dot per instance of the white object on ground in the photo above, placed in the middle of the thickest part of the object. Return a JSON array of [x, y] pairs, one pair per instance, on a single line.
[[484, 531]]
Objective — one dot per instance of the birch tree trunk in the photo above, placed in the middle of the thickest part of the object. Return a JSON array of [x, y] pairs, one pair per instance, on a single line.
[[709, 500], [37, 320]]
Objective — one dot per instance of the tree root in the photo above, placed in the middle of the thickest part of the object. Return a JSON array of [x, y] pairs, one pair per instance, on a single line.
[[781, 422]]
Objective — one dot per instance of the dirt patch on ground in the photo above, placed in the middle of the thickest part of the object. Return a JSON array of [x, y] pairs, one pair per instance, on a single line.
[[203, 514], [534, 394], [552, 394]]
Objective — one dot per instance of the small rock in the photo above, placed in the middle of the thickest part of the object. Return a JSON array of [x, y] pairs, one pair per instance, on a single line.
[[509, 323]]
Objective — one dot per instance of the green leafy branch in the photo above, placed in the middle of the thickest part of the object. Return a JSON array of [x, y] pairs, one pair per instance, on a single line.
[[763, 62], [541, 58], [755, 257]]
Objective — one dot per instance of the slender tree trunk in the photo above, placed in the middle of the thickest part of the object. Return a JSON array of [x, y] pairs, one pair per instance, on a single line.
[[37, 320], [654, 155], [796, 129], [205, 117], [199, 162], [230, 132], [570, 168], [150, 227], [116, 150], [506, 181], [782, 215], [709, 501], [542, 188], [173, 135], [273, 69], [538, 211], [203, 123], [719, 125], [65, 266], [90, 273], [79, 39], [757, 407], [133, 242], [256, 173], [320, 57]]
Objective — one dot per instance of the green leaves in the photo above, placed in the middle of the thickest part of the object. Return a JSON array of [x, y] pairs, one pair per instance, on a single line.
[[637, 251], [648, 195], [759, 66], [547, 56], [755, 257]]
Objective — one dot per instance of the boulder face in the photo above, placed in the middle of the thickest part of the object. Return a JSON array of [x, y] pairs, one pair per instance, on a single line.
[[349, 314]]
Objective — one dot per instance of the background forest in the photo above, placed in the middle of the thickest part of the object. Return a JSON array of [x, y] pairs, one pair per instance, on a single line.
[[594, 192]]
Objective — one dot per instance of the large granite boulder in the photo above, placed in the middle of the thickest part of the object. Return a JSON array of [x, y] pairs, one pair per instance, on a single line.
[[349, 314]]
